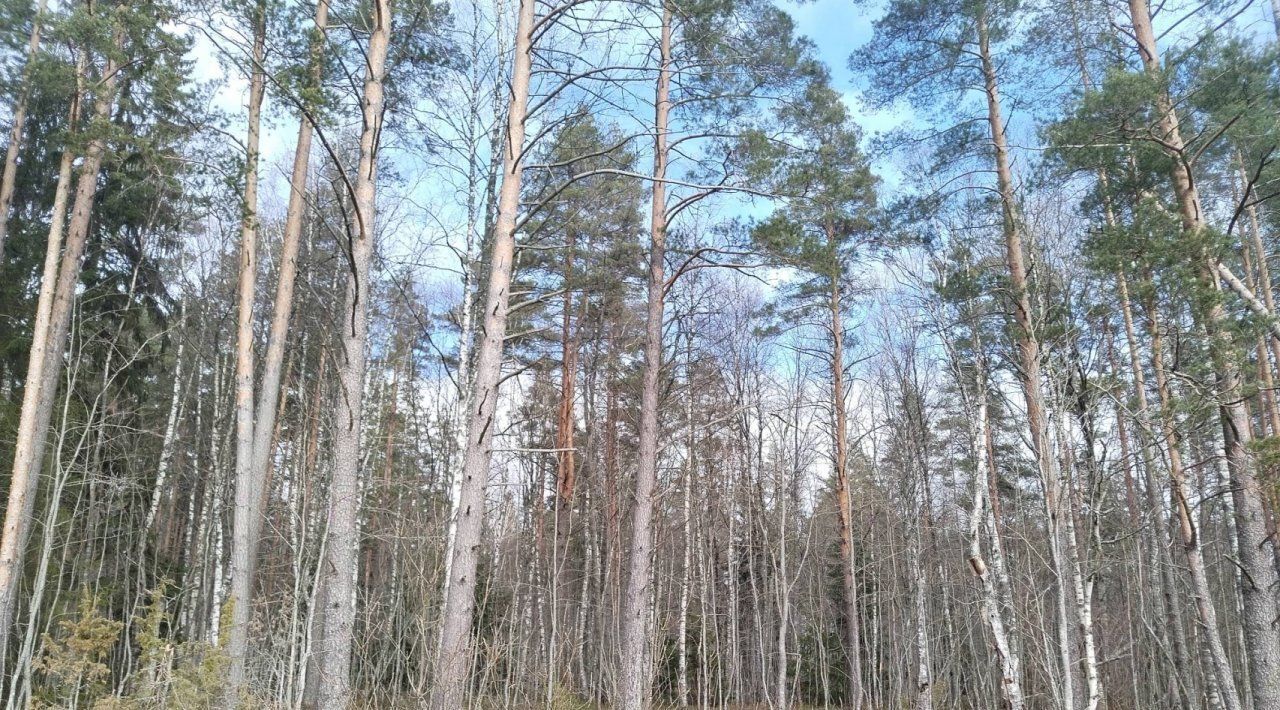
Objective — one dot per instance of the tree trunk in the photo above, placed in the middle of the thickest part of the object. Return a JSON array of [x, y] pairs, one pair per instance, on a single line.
[[1006, 655], [1163, 558], [1220, 665], [252, 474], [17, 126], [453, 660], [633, 654], [566, 464], [49, 339], [844, 506], [344, 490], [1029, 371], [268, 404], [240, 593], [1257, 549]]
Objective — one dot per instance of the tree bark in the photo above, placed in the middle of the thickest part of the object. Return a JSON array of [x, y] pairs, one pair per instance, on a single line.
[[252, 474], [1163, 558], [344, 489], [1006, 654], [240, 593], [844, 506], [49, 340], [1220, 665], [633, 654], [453, 659], [268, 404]]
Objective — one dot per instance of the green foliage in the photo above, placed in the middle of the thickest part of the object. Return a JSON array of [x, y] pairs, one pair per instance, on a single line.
[[74, 658], [826, 219], [73, 668], [172, 673], [923, 49], [563, 698], [583, 234]]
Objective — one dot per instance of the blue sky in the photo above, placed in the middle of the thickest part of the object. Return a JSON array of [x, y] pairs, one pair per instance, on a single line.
[[836, 27]]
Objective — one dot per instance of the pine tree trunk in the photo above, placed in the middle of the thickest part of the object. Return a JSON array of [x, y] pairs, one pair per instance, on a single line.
[[1029, 373], [252, 472], [268, 403], [566, 465], [633, 654], [49, 340], [240, 593], [453, 662], [17, 125], [344, 490], [844, 505]]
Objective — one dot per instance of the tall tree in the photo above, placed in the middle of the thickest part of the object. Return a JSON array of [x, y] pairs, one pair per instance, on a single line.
[[344, 487], [1257, 548], [54, 320], [453, 660], [246, 292], [958, 40], [253, 476], [824, 230]]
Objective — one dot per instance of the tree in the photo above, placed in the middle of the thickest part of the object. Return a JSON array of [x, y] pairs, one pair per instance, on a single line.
[[454, 655], [957, 40], [344, 489], [132, 29], [824, 230]]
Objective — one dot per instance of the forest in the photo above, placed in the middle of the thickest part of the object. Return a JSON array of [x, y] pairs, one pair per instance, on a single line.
[[640, 354]]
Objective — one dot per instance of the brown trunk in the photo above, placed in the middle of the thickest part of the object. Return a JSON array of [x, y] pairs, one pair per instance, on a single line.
[[1257, 549], [269, 403], [566, 472], [1263, 285], [1029, 369], [241, 560], [844, 506], [17, 126], [252, 488]]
